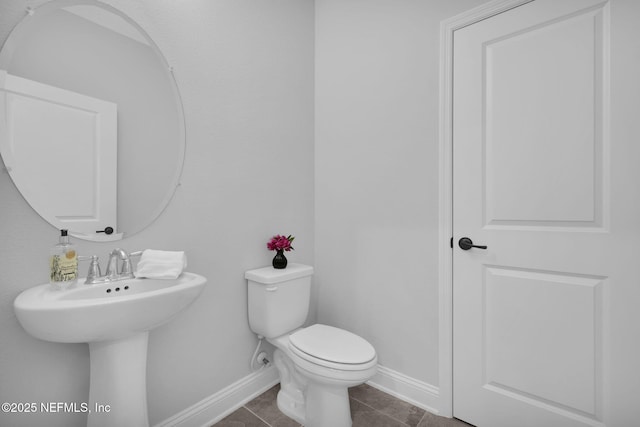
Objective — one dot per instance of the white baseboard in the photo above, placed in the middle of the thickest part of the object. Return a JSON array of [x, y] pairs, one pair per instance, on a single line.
[[217, 406], [418, 393]]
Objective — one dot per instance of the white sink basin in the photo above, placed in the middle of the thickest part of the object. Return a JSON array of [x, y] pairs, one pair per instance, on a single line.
[[105, 311], [115, 319]]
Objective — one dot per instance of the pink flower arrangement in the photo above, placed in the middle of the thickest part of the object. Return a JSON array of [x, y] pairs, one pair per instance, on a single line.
[[280, 243]]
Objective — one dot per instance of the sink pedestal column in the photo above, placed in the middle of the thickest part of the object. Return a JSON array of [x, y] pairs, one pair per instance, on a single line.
[[118, 388]]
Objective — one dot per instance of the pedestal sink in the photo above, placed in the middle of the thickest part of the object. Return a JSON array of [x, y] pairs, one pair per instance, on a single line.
[[115, 319]]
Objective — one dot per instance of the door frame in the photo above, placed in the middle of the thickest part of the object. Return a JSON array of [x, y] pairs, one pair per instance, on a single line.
[[445, 201]]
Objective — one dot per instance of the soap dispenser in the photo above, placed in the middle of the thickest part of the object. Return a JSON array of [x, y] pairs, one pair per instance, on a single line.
[[63, 263]]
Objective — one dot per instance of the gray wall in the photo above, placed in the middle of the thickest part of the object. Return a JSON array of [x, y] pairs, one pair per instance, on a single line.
[[245, 72], [376, 178]]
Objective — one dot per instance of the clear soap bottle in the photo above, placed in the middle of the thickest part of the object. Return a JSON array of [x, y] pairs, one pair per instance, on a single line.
[[63, 263]]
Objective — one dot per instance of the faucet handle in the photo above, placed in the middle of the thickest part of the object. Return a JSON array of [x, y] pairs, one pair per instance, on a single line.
[[94, 268], [127, 269]]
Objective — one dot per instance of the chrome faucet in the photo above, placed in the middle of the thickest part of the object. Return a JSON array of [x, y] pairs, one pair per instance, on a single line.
[[112, 266], [111, 275]]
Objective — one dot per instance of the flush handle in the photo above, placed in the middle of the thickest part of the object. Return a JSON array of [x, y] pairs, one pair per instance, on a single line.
[[271, 288], [466, 243]]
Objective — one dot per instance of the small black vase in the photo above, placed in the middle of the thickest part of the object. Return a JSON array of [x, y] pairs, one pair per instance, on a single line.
[[279, 261]]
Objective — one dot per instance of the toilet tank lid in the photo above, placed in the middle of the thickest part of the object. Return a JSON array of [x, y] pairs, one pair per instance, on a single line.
[[270, 275]]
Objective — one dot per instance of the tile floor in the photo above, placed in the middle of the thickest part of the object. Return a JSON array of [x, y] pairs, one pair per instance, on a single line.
[[370, 407]]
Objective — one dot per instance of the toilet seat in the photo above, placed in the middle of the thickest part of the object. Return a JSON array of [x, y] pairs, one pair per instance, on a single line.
[[332, 347]]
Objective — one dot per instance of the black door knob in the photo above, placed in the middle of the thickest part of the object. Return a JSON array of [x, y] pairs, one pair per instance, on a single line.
[[466, 243], [107, 230]]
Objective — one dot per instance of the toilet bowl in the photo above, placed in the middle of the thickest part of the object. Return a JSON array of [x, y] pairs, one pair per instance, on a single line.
[[316, 364]]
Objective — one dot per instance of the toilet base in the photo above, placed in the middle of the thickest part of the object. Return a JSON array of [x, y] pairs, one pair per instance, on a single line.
[[291, 400], [327, 406], [311, 399]]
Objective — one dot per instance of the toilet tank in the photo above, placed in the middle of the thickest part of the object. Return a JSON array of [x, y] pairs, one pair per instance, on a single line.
[[278, 298]]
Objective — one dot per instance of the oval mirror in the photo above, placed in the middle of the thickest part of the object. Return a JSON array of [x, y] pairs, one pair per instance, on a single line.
[[91, 123]]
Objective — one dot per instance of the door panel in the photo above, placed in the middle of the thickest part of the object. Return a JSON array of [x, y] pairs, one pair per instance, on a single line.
[[72, 179], [554, 337], [531, 175]]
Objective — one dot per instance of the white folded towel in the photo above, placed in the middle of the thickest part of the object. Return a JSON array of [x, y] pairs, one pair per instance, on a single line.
[[155, 264]]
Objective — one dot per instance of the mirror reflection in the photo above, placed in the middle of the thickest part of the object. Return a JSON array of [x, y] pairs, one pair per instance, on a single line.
[[94, 131]]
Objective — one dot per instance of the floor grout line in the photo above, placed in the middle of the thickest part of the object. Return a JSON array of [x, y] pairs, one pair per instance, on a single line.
[[258, 416], [380, 412], [422, 418]]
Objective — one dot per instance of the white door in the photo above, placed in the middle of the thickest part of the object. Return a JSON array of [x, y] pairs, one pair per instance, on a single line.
[[546, 160], [60, 148]]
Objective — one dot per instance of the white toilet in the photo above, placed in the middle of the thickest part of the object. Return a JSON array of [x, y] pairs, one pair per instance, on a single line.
[[316, 364]]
